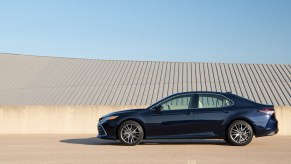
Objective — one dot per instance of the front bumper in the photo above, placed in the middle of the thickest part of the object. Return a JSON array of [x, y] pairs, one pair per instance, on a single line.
[[107, 130], [106, 137], [101, 130]]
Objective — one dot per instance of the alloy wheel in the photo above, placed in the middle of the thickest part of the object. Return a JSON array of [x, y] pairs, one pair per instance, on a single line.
[[240, 133], [130, 133]]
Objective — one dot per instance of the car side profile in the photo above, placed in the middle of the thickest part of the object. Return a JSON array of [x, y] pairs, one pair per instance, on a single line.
[[192, 115]]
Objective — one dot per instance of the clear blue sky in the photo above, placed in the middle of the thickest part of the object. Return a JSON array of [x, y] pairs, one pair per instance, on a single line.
[[233, 31]]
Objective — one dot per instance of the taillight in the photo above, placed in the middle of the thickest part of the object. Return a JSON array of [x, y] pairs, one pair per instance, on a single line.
[[269, 111]]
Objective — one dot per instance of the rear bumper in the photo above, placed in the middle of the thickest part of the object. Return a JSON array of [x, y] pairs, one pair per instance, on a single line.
[[261, 132], [270, 129], [273, 132]]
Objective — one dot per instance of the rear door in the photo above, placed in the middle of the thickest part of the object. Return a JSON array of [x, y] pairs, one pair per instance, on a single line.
[[210, 113]]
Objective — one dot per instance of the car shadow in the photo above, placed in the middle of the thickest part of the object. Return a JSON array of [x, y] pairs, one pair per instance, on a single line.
[[184, 142], [97, 141], [90, 141]]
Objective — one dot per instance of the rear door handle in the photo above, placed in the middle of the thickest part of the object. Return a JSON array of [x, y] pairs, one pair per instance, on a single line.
[[227, 111], [188, 113]]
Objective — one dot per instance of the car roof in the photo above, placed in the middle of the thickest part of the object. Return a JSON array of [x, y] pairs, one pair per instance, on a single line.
[[211, 92], [229, 95]]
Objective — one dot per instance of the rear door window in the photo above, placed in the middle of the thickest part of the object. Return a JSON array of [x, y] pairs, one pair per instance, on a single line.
[[213, 101]]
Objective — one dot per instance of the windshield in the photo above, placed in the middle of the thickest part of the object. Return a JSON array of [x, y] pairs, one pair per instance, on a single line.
[[167, 98], [158, 102]]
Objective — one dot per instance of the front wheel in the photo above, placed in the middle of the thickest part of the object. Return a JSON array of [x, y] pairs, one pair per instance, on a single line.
[[239, 133], [130, 133]]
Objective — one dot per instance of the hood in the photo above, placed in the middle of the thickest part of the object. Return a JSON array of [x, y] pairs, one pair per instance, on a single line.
[[124, 112]]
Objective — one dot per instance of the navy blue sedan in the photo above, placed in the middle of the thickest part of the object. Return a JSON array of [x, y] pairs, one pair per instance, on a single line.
[[192, 115]]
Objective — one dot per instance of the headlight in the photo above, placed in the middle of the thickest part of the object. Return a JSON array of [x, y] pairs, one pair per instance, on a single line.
[[108, 118], [111, 117]]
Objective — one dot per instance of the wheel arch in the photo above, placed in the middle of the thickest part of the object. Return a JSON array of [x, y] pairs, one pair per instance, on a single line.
[[237, 119]]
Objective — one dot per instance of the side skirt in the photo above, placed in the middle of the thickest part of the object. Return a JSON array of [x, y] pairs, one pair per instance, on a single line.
[[208, 135]]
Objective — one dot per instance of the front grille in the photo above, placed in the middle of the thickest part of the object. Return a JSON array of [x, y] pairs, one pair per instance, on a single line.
[[101, 130]]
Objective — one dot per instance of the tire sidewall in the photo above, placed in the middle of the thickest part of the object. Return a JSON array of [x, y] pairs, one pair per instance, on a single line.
[[139, 128]]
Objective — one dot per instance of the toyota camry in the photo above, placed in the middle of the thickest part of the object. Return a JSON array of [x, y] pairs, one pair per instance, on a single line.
[[192, 115]]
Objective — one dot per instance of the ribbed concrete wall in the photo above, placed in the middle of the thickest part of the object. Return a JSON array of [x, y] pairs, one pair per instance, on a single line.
[[79, 119], [47, 95], [33, 80]]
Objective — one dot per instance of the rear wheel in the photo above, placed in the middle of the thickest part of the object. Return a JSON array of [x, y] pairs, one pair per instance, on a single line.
[[130, 133], [239, 133]]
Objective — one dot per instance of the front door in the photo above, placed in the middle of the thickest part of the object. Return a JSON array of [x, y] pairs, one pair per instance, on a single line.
[[173, 120]]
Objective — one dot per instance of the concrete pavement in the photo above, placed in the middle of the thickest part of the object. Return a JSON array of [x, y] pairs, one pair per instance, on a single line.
[[49, 149]]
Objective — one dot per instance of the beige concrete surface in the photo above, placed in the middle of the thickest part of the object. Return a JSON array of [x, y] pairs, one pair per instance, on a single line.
[[53, 119], [283, 115], [79, 119], [47, 149]]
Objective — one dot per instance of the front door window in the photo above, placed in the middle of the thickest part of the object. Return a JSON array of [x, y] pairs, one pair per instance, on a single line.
[[177, 103]]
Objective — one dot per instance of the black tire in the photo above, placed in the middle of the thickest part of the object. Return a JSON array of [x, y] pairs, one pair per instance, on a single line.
[[239, 133], [130, 133]]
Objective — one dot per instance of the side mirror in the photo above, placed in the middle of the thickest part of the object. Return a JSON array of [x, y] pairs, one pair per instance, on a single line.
[[158, 108]]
